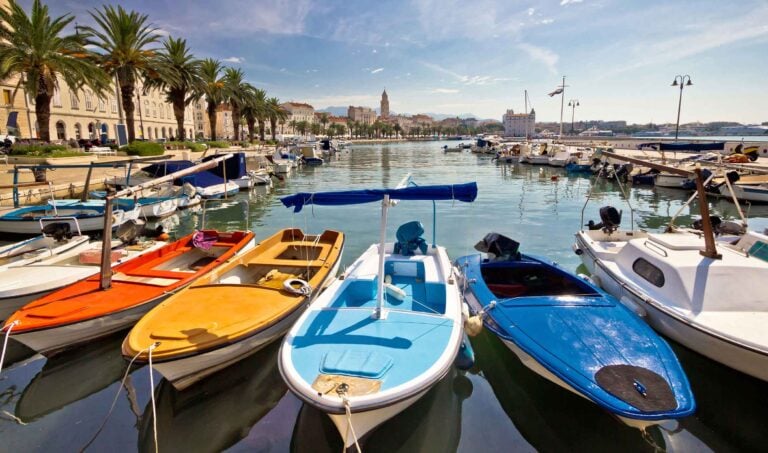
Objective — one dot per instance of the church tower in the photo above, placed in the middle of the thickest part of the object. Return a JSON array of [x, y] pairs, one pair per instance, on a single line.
[[384, 104]]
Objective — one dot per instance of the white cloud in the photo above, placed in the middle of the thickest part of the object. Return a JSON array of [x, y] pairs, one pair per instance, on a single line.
[[353, 99], [542, 55], [162, 32], [531, 11], [466, 79], [233, 59], [377, 70], [566, 2], [280, 17], [375, 51], [444, 90], [546, 21]]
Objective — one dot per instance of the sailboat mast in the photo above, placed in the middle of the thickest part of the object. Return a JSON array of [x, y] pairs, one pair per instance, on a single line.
[[526, 112], [562, 105]]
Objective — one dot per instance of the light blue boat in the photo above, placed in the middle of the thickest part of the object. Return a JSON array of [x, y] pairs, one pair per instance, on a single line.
[[89, 216], [384, 333], [574, 334]]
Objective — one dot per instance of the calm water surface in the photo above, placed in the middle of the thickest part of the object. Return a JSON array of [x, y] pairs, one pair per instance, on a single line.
[[63, 403]]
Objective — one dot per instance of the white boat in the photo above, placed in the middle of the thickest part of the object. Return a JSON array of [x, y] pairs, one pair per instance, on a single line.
[[560, 156], [222, 190], [385, 333], [745, 192], [38, 248], [20, 285], [670, 180], [89, 216]]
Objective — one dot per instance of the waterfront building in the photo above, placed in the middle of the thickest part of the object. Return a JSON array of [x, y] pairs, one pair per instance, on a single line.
[[450, 122], [595, 132], [422, 120], [14, 107], [384, 105], [519, 124], [298, 112], [362, 115], [744, 130]]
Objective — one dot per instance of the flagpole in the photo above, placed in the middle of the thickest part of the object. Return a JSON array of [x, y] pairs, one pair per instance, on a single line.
[[526, 112], [562, 102]]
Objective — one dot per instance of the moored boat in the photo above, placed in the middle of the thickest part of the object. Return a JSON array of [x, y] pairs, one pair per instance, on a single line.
[[568, 331], [246, 304], [84, 310], [89, 216], [386, 332]]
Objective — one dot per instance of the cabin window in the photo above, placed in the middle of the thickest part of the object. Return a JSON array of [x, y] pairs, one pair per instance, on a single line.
[[649, 272]]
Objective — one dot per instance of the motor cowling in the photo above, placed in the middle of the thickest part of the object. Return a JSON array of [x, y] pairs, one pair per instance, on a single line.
[[58, 231], [499, 246], [610, 219]]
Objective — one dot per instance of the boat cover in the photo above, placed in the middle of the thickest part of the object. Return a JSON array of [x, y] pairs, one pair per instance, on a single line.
[[463, 192]]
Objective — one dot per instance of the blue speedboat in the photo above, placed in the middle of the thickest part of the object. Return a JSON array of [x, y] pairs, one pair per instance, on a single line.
[[379, 338], [567, 330]]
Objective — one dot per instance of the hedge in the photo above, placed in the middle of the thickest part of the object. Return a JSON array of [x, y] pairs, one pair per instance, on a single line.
[[217, 144], [144, 149], [38, 150], [192, 146]]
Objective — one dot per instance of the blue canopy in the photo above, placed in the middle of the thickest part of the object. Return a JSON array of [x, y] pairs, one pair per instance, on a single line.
[[462, 192]]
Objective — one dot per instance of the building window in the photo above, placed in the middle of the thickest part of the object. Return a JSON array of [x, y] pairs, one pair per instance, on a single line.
[[88, 101], [162, 111], [649, 272], [73, 101], [7, 97], [78, 131], [61, 132], [56, 98], [102, 105], [113, 101]]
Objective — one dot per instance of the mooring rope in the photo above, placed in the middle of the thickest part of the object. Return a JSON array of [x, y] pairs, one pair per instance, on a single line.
[[5, 341], [117, 395], [152, 395], [341, 390]]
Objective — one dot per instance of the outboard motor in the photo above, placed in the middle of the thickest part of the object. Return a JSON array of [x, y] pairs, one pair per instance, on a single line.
[[733, 176], [713, 219], [58, 231], [610, 218], [129, 232], [499, 247], [623, 172]]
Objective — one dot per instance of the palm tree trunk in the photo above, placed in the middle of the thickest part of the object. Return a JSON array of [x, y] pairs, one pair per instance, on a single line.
[[272, 125], [212, 118], [178, 111], [261, 130], [236, 119], [43, 112], [126, 90], [251, 122]]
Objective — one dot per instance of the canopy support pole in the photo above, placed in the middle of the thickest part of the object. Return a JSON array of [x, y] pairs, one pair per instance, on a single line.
[[379, 313]]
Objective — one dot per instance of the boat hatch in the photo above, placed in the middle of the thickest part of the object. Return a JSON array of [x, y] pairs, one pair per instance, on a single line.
[[364, 364], [640, 387]]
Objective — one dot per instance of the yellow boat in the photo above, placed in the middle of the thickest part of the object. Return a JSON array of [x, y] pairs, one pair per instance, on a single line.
[[238, 309]]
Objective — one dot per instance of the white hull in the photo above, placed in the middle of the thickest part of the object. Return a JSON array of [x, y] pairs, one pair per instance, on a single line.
[[680, 329], [672, 181], [243, 183], [218, 190], [283, 167], [365, 422], [755, 194], [536, 160], [54, 339], [188, 202], [38, 249], [160, 209], [96, 223], [555, 162]]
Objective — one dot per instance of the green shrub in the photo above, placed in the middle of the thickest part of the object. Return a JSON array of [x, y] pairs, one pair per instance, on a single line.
[[144, 149], [272, 142], [217, 144], [192, 146], [37, 150], [244, 144]]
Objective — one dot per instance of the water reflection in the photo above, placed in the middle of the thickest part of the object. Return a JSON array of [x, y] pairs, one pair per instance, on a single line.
[[218, 411]]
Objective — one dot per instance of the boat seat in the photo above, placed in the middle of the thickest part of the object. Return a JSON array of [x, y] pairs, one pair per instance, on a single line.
[[154, 273], [145, 280], [292, 263]]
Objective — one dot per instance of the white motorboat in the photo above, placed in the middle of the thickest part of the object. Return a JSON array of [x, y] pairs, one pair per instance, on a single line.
[[89, 216], [560, 156], [38, 248]]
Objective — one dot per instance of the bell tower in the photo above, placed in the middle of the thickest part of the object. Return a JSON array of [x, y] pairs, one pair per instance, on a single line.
[[384, 104]]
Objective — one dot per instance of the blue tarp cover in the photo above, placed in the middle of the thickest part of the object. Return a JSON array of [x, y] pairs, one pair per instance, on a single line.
[[201, 179], [462, 192]]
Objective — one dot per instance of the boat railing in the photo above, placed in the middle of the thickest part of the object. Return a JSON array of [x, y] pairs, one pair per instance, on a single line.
[[57, 219]]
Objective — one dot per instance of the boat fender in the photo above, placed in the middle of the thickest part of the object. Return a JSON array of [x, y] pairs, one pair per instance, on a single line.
[[393, 290], [297, 286], [474, 325]]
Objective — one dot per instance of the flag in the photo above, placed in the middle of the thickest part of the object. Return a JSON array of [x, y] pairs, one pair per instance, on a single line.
[[557, 91]]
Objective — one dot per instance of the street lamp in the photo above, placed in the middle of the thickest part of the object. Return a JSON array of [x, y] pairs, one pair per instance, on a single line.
[[573, 103], [685, 80]]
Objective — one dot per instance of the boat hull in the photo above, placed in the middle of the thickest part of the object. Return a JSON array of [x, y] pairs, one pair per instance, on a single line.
[[50, 341], [90, 223]]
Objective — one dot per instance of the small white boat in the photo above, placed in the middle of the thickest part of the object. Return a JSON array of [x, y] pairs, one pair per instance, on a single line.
[[385, 333], [561, 155], [670, 180], [39, 248], [89, 216]]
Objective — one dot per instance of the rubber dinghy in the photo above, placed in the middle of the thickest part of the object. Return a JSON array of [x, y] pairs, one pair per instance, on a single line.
[[243, 306], [86, 310], [567, 330], [386, 332]]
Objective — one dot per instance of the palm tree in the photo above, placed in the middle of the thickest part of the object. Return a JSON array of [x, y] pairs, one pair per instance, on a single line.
[[276, 114], [261, 110], [212, 89], [249, 109], [33, 47], [124, 38], [236, 91], [302, 126], [324, 120], [293, 124], [178, 74]]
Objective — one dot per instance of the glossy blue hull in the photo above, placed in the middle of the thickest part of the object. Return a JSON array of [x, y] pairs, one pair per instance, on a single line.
[[579, 334]]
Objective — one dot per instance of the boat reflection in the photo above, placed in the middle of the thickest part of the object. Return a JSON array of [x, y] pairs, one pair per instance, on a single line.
[[72, 376], [217, 412], [433, 423]]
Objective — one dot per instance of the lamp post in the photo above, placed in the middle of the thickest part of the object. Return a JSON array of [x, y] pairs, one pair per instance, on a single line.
[[684, 80], [573, 103]]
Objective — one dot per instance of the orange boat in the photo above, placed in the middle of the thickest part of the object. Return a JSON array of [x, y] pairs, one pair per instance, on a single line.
[[82, 311], [240, 308]]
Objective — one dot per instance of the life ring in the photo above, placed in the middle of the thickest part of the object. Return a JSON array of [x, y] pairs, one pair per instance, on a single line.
[[297, 286]]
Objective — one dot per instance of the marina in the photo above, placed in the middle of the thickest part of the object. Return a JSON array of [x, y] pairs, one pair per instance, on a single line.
[[496, 402]]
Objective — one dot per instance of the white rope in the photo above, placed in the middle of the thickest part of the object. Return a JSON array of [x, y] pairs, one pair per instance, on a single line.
[[152, 395], [342, 390], [5, 341], [14, 418], [117, 395]]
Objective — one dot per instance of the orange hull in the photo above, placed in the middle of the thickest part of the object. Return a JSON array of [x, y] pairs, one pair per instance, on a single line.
[[136, 282]]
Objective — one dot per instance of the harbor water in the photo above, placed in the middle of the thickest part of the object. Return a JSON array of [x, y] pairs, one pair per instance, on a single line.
[[69, 402]]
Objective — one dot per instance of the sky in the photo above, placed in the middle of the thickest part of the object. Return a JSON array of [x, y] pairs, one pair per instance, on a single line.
[[619, 57]]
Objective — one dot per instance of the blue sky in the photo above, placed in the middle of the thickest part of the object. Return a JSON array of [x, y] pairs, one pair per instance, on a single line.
[[459, 56]]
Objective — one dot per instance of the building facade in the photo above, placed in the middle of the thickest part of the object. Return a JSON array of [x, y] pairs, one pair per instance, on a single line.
[[384, 105], [519, 124], [298, 112], [363, 115]]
